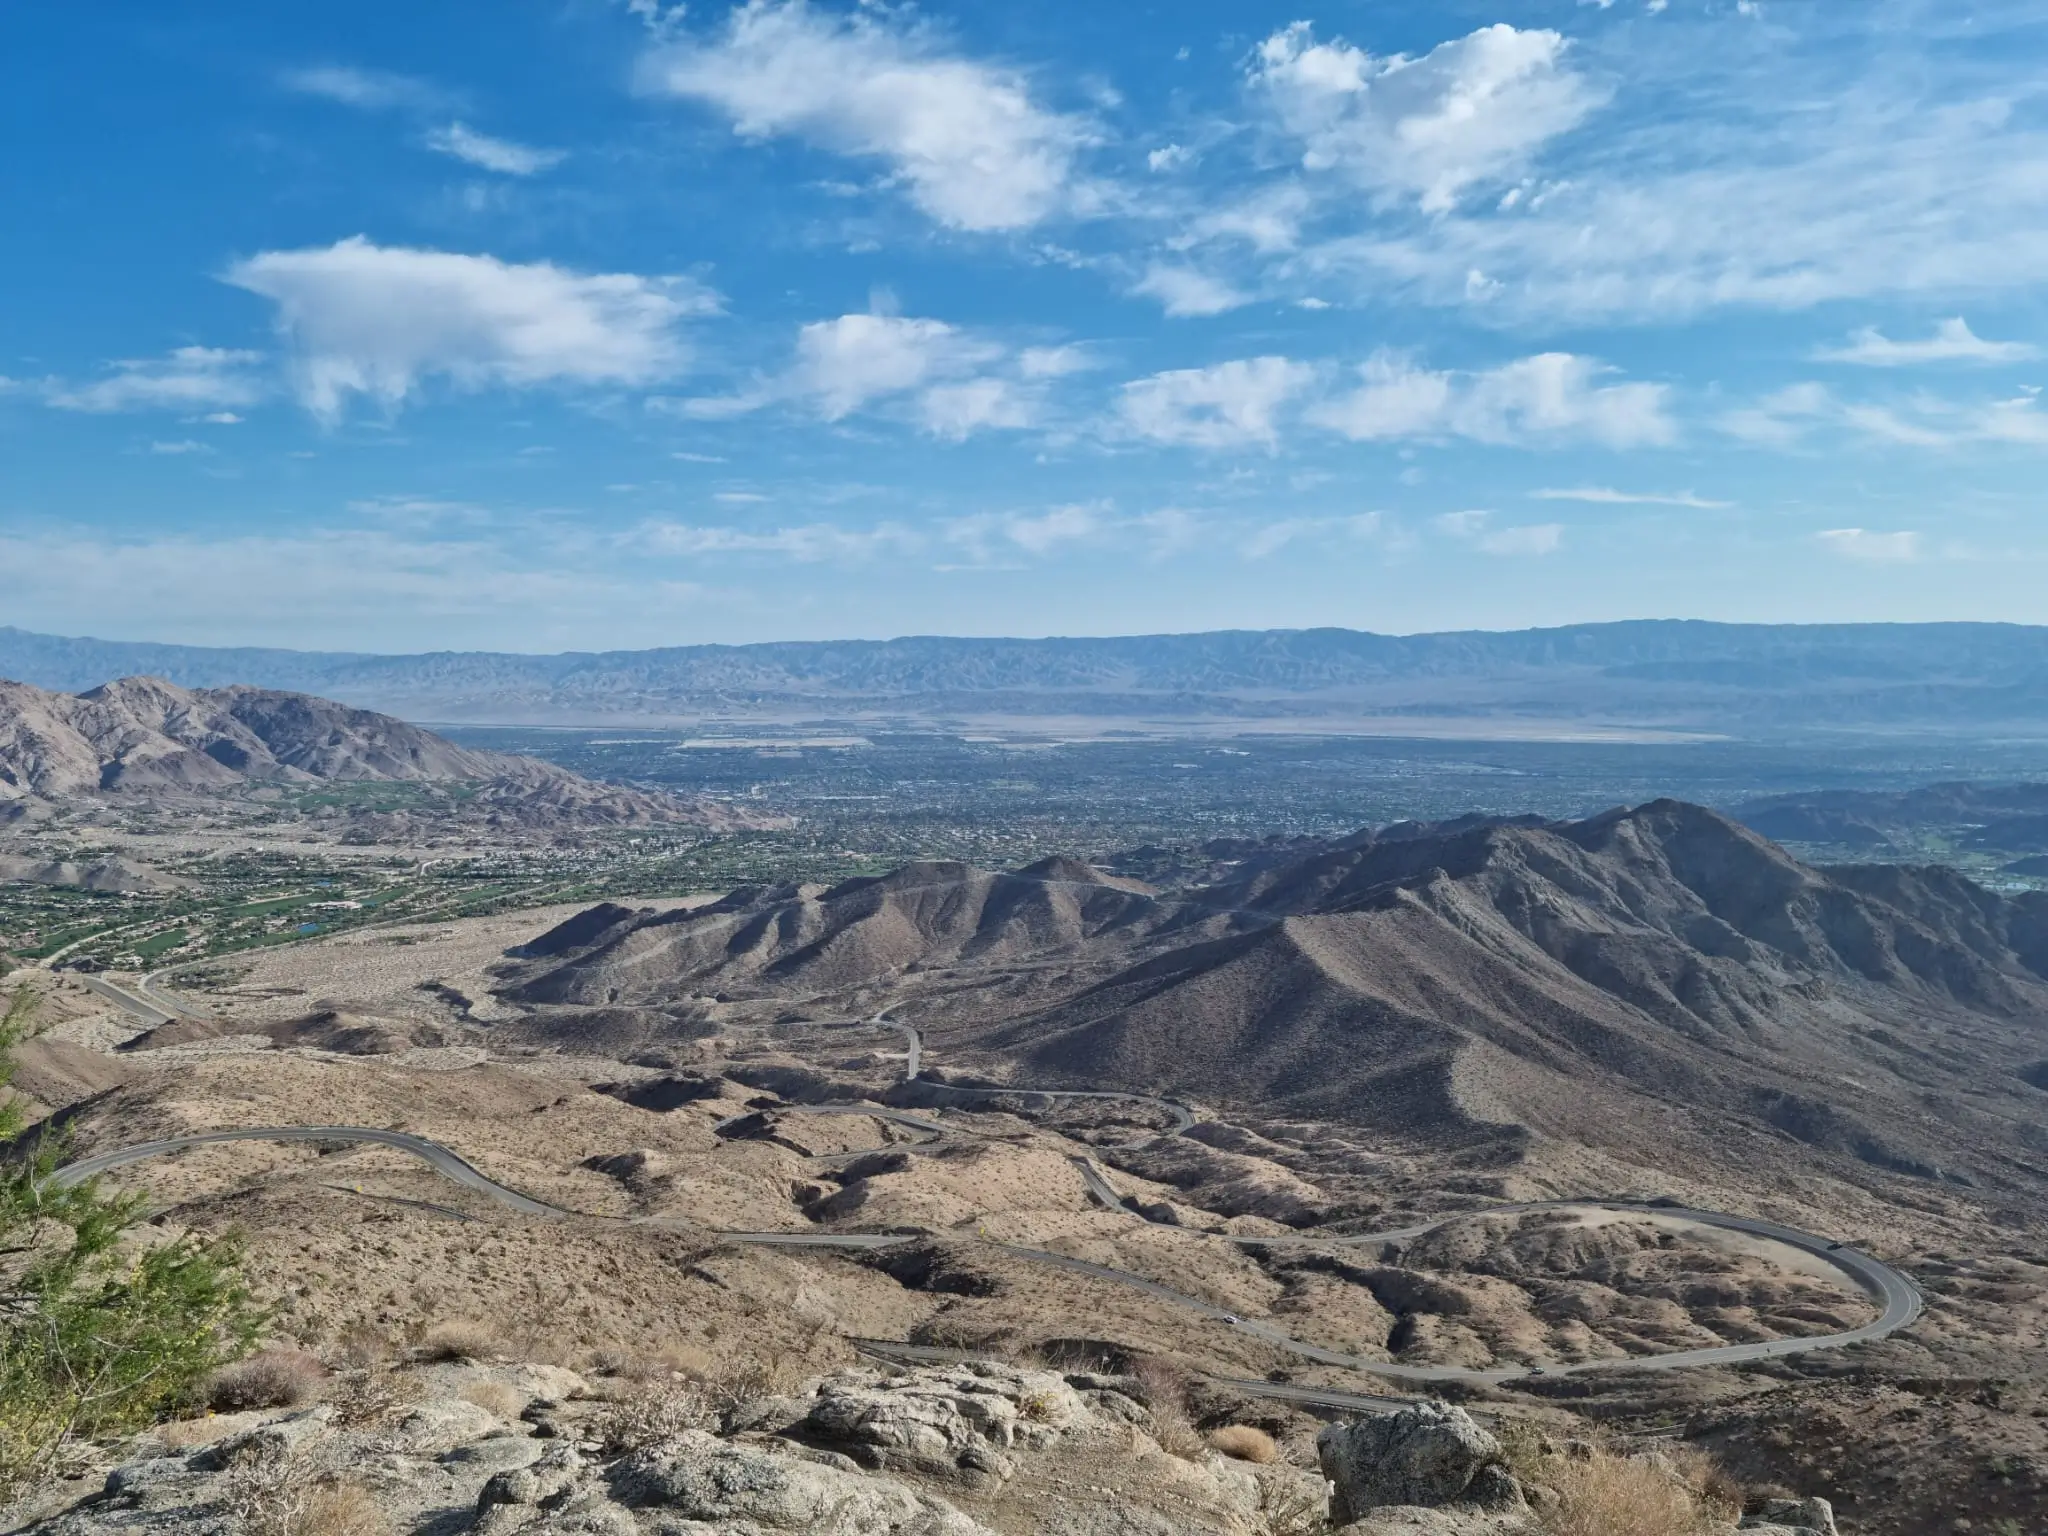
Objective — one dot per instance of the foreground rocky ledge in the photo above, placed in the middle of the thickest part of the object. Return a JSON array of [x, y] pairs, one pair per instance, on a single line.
[[973, 1449]]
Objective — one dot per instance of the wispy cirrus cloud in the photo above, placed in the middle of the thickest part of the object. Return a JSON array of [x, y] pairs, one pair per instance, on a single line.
[[1477, 529], [1601, 495], [376, 322], [370, 90], [205, 379], [464, 143], [1952, 342], [1865, 544], [949, 380], [1796, 414], [967, 139], [1550, 397]]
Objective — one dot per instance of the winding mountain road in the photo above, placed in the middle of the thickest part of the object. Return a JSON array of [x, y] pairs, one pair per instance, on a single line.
[[1898, 1299]]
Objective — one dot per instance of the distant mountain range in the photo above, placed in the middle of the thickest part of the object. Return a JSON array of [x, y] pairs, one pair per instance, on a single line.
[[1671, 674]]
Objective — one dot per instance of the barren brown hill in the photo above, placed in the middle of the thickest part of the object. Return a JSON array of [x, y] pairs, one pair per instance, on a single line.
[[1659, 984], [141, 735]]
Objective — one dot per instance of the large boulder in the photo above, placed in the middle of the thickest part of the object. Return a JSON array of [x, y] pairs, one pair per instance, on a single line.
[[959, 1421], [747, 1487], [1430, 1455]]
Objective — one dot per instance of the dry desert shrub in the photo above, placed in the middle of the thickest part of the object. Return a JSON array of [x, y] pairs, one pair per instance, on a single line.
[[1292, 1508], [270, 1378], [1715, 1486], [362, 1399], [1165, 1386], [457, 1339], [497, 1397], [278, 1492], [655, 1413], [1605, 1494], [1244, 1442]]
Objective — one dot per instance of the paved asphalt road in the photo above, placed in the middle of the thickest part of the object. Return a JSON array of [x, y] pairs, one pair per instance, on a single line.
[[1898, 1299], [141, 1007], [1901, 1302]]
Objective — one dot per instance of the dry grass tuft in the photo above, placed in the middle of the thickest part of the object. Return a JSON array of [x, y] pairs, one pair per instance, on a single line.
[[497, 1397], [270, 1378], [1244, 1442], [1165, 1386], [457, 1339], [1605, 1494]]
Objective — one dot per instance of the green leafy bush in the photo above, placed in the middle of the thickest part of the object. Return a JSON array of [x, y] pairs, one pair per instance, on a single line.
[[102, 1331]]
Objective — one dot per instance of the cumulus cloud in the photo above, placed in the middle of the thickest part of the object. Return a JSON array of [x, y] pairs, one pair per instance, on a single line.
[[1183, 291], [1271, 538], [1952, 342], [965, 138], [1471, 110], [1864, 544], [188, 379], [492, 154], [957, 411], [844, 364], [1229, 405], [377, 321], [1553, 396]]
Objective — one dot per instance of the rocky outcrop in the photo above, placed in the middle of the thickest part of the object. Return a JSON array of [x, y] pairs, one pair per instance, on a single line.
[[956, 1421], [929, 1451], [1793, 1517], [1429, 1455]]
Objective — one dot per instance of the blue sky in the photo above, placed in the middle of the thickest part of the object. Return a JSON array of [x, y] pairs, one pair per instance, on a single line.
[[543, 326]]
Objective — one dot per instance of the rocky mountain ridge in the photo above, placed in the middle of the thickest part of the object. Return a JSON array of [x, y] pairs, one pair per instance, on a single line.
[[1659, 982], [145, 736]]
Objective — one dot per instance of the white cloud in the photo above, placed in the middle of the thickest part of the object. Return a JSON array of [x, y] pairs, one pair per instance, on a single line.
[[1607, 496], [1531, 539], [501, 155], [957, 411], [951, 381], [180, 447], [1276, 536], [1787, 417], [1171, 157], [1863, 544], [1775, 168], [221, 419], [1471, 110], [1048, 530], [966, 138], [1054, 362], [844, 364], [1228, 405], [1183, 292], [372, 90], [1476, 528], [189, 379], [377, 321], [809, 544], [1952, 342], [1552, 396]]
